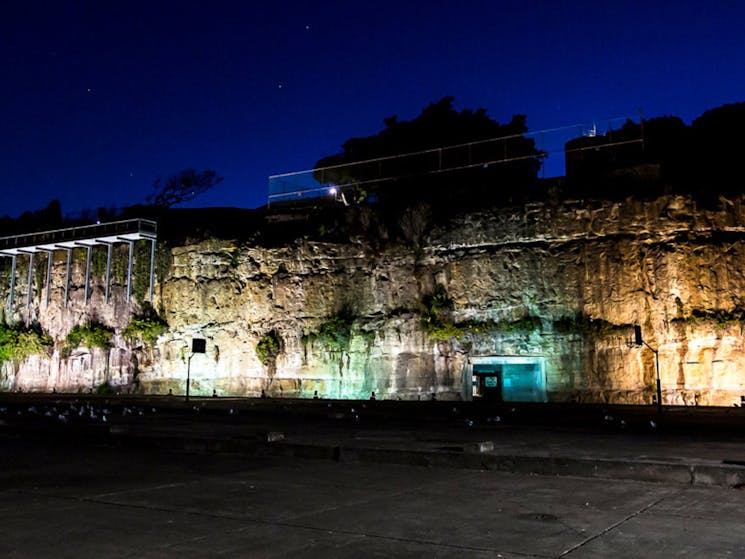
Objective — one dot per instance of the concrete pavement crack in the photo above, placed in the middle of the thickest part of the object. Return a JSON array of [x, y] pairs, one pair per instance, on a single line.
[[617, 524]]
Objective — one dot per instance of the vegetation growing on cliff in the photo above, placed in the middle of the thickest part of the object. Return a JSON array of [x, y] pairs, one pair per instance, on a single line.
[[88, 335], [233, 255], [435, 311], [141, 271], [459, 330], [40, 270], [146, 326], [436, 319], [719, 317], [98, 260], [335, 333], [269, 347], [581, 323], [105, 389], [19, 342]]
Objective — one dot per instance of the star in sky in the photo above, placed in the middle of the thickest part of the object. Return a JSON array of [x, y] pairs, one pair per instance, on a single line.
[[199, 86]]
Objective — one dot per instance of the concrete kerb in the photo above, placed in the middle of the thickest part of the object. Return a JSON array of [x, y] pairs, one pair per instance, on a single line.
[[470, 456], [639, 470], [726, 475], [478, 455]]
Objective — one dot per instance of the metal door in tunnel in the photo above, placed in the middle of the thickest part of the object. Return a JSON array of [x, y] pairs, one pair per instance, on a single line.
[[487, 382]]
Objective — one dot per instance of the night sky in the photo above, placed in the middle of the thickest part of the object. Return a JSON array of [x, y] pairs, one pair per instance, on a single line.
[[99, 99]]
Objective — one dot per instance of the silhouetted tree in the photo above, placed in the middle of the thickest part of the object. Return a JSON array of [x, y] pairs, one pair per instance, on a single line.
[[716, 149], [702, 159], [29, 221], [182, 187], [636, 159]]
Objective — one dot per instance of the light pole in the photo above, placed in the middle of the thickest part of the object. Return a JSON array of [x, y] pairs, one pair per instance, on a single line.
[[198, 345], [638, 341], [188, 376]]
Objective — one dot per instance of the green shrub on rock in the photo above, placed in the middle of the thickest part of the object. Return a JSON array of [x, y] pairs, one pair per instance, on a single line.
[[335, 334], [88, 335], [436, 309], [18, 342], [269, 347], [146, 326]]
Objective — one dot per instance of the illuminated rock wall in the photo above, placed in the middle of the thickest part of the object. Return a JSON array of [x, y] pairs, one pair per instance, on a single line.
[[566, 282]]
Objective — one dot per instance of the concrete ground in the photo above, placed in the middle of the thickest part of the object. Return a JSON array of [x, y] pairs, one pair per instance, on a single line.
[[692, 447], [57, 501], [234, 479]]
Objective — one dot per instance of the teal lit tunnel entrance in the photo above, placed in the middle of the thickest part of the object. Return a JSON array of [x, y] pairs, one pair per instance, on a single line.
[[506, 379]]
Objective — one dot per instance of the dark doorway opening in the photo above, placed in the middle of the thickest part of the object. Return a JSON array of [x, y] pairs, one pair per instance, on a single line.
[[487, 382]]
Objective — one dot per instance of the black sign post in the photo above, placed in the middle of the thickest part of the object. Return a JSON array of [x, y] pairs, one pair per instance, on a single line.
[[198, 345]]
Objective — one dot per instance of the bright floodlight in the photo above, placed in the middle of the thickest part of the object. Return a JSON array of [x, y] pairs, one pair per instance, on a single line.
[[332, 191]]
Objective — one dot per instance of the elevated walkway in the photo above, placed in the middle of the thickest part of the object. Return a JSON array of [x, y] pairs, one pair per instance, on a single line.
[[87, 236], [72, 237]]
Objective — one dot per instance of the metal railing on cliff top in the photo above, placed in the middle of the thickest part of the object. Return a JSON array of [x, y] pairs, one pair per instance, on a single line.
[[300, 185]]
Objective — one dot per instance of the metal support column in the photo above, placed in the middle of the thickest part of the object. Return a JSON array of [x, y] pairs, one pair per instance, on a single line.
[[50, 262], [12, 283], [109, 248], [129, 270], [67, 277], [30, 280], [88, 272], [152, 269]]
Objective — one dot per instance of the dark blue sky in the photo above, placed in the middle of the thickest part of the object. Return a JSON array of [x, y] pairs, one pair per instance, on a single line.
[[98, 99]]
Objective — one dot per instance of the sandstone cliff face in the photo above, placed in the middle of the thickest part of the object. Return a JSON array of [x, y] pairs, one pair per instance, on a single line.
[[583, 273]]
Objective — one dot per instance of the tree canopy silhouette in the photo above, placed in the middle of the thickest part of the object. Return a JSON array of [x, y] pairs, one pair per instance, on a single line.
[[702, 159], [716, 148], [407, 149], [182, 187], [40, 220]]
